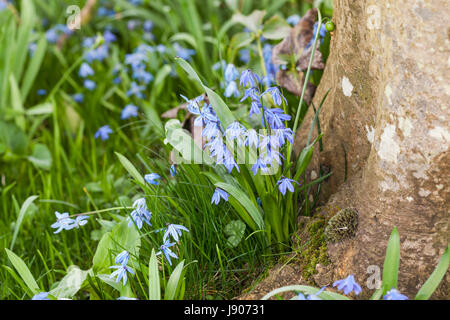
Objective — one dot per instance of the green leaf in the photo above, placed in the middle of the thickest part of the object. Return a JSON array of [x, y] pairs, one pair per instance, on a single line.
[[16, 103], [70, 284], [325, 295], [276, 28], [174, 283], [252, 21], [303, 160], [154, 288], [182, 141], [40, 109], [13, 137], [235, 231], [23, 271], [391, 262], [41, 157], [130, 168], [33, 67], [120, 238], [22, 212], [436, 277]]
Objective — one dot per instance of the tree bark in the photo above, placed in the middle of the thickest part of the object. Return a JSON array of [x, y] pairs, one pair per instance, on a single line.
[[386, 134]]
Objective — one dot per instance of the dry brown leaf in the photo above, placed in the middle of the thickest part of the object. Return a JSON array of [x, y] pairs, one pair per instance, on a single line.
[[295, 44]]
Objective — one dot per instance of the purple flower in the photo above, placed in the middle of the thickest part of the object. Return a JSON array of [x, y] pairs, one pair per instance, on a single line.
[[348, 284]]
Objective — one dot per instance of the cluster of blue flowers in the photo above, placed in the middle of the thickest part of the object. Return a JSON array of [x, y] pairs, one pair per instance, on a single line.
[[141, 214], [267, 144]]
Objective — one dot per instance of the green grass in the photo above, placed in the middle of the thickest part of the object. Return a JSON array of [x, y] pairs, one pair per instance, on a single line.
[[85, 174]]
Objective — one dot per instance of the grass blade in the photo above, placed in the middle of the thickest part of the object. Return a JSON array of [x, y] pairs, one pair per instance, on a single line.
[[19, 220]]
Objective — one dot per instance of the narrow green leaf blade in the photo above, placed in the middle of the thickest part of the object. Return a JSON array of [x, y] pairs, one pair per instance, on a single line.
[[154, 288], [19, 220], [23, 271], [391, 262], [174, 282], [130, 168], [436, 277]]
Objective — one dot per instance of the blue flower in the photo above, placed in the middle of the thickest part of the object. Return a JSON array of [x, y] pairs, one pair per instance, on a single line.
[[255, 107], [244, 55], [183, 52], [80, 221], [252, 138], [259, 164], [231, 73], [231, 90], [126, 298], [103, 132], [41, 295], [140, 214], [41, 92], [174, 230], [152, 178], [253, 93], [173, 170], [85, 70], [109, 36], [393, 294], [348, 284], [322, 33], [89, 84], [132, 24], [63, 222], [248, 77], [122, 258], [148, 25], [121, 273], [284, 184], [235, 131], [219, 193], [136, 90], [167, 252], [293, 20], [78, 97], [129, 111], [52, 35], [276, 95]]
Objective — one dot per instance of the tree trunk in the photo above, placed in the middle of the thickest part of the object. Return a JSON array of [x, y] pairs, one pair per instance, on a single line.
[[386, 138]]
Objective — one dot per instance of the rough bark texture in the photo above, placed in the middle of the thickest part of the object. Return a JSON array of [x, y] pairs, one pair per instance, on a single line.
[[386, 138]]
